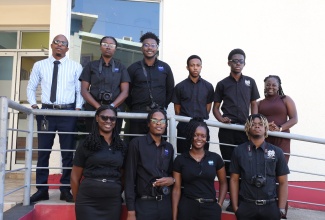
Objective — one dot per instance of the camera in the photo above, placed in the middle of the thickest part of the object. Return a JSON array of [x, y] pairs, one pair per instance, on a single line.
[[154, 106], [163, 190], [258, 180], [159, 190], [105, 96]]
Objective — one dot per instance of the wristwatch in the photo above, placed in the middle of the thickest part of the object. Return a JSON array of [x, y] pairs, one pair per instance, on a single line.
[[112, 104], [283, 212]]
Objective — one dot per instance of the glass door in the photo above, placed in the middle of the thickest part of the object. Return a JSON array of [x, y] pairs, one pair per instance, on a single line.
[[23, 65]]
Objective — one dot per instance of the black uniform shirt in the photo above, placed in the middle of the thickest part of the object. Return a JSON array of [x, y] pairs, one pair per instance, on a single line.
[[193, 97], [160, 80], [198, 177], [267, 160], [145, 163], [108, 80], [104, 163], [236, 97]]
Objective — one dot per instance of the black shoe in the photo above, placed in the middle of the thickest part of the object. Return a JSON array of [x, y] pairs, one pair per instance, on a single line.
[[39, 195], [229, 208], [66, 195]]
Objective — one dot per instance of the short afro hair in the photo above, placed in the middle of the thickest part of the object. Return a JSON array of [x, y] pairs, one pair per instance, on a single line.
[[236, 51], [149, 35]]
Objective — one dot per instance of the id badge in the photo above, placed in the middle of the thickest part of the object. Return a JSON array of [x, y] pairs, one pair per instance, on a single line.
[[44, 125]]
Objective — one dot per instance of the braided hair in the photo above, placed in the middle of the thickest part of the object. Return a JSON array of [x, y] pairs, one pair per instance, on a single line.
[[277, 78], [93, 140], [191, 127], [249, 123]]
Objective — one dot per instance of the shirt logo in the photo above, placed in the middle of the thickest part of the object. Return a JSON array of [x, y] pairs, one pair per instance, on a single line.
[[116, 70], [166, 152], [160, 68], [210, 162], [247, 82], [270, 154]]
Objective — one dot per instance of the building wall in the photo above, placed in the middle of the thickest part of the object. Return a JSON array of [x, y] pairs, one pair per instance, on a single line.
[[284, 38]]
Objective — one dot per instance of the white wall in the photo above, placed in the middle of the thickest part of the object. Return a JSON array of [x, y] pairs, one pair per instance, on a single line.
[[279, 37]]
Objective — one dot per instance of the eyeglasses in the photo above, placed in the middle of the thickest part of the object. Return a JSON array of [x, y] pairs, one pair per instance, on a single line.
[[111, 46], [235, 61], [153, 46], [156, 121], [105, 118], [203, 136], [63, 43]]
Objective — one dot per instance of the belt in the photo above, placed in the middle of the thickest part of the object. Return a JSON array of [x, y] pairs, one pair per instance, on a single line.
[[157, 198], [259, 201], [53, 106], [103, 180], [202, 200]]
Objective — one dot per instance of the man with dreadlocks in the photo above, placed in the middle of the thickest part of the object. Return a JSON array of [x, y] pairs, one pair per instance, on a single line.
[[100, 160], [259, 165]]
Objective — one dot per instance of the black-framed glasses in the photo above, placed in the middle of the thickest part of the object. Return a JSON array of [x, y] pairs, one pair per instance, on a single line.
[[235, 61], [63, 43], [153, 46], [105, 118], [111, 46], [156, 121]]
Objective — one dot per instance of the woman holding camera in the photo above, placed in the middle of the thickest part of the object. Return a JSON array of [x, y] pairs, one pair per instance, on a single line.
[[99, 159], [196, 170], [105, 81]]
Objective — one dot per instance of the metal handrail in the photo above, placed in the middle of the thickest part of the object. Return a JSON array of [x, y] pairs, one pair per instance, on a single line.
[[173, 119]]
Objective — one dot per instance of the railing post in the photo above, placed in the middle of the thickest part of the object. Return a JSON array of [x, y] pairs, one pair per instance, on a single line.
[[172, 134], [28, 157], [3, 149]]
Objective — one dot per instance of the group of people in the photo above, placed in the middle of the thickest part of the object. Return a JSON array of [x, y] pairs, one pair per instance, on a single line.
[[156, 186]]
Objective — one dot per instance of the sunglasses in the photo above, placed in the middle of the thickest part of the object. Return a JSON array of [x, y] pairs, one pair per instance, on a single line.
[[105, 118], [156, 121], [235, 61], [63, 43], [111, 46]]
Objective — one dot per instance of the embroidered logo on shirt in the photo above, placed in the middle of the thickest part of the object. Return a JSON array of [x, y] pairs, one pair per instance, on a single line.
[[166, 152], [210, 162], [116, 70], [160, 68], [271, 154], [247, 82]]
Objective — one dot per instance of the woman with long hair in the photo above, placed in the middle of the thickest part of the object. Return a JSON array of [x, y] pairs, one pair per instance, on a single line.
[[96, 177]]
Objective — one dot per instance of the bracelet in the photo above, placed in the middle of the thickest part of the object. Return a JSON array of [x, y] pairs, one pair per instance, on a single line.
[[280, 128], [174, 181]]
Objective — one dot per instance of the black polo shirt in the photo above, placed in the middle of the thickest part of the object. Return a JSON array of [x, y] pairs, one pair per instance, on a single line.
[[193, 97], [145, 163], [198, 177], [236, 97], [104, 163], [267, 160], [159, 78], [108, 80]]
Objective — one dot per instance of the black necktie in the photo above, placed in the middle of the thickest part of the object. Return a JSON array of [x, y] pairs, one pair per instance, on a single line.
[[54, 81]]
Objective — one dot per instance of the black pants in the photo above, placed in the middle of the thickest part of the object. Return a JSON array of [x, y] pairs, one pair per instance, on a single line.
[[250, 211], [190, 209], [153, 209], [230, 137], [181, 143], [45, 141]]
